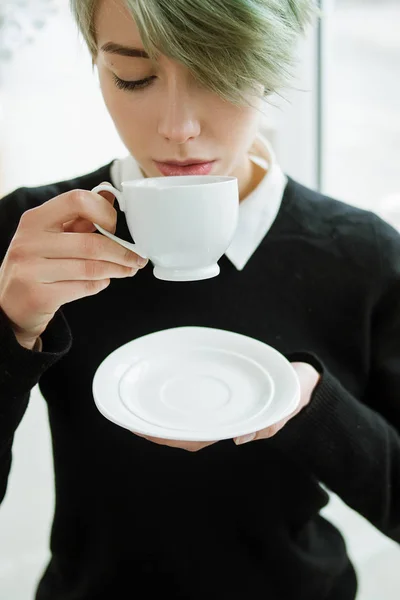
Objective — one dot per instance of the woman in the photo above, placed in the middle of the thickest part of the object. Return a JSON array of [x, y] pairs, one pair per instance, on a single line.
[[317, 279]]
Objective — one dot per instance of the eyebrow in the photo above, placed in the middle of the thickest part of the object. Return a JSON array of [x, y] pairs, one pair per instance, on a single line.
[[113, 48]]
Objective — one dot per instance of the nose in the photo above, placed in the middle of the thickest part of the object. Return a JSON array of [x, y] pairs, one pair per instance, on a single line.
[[178, 120]]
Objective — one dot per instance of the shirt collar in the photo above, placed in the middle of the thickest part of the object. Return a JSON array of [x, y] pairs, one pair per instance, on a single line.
[[257, 211]]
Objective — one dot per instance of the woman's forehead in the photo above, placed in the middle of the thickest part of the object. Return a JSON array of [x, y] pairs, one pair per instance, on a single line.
[[114, 23]]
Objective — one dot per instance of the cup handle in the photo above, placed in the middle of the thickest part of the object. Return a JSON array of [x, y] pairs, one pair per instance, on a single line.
[[109, 188]]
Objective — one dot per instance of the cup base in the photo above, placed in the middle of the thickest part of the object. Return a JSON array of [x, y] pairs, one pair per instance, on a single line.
[[186, 274]]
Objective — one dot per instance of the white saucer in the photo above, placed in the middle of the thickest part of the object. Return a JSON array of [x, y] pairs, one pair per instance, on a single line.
[[196, 384]]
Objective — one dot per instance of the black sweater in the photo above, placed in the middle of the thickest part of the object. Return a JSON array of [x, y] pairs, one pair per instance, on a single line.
[[137, 520]]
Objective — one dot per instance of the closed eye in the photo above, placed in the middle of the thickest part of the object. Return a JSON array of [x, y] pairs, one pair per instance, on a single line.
[[132, 85]]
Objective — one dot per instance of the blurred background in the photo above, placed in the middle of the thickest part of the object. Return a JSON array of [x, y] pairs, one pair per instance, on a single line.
[[338, 131]]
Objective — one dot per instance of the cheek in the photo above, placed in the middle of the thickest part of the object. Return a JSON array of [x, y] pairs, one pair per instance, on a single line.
[[117, 101], [237, 120], [239, 125], [129, 111], [250, 124]]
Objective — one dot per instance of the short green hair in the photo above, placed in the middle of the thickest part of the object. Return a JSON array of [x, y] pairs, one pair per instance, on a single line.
[[232, 47]]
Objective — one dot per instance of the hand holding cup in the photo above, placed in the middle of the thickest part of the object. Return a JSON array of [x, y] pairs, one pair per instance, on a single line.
[[55, 258]]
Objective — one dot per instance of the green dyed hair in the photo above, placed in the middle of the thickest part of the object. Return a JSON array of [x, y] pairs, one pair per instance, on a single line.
[[232, 47]]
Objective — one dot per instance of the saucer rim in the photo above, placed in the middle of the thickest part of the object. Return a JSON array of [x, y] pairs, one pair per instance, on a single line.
[[136, 425]]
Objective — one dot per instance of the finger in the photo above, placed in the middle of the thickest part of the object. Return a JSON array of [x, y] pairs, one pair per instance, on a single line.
[[51, 297], [76, 269], [244, 439], [308, 378], [269, 432], [52, 215], [88, 246], [263, 434], [196, 446], [81, 225], [64, 292]]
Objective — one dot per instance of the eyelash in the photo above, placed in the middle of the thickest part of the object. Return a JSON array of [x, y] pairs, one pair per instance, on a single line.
[[132, 85]]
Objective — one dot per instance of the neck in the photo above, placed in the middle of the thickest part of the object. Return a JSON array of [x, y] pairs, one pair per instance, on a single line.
[[249, 178]]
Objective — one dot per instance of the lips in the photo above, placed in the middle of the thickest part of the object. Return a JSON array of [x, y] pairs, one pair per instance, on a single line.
[[185, 168]]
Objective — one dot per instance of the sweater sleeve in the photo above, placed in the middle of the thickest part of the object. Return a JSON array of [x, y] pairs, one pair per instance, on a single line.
[[21, 369], [351, 444]]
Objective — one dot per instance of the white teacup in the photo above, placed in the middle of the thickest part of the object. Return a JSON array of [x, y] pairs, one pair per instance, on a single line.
[[182, 224]]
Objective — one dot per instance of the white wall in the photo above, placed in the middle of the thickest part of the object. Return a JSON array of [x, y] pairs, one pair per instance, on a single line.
[[55, 124], [55, 127]]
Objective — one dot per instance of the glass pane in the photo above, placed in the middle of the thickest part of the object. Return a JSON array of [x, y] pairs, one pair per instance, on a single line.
[[362, 104]]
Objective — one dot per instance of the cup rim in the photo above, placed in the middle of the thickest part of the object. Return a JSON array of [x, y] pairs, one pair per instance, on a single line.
[[213, 180]]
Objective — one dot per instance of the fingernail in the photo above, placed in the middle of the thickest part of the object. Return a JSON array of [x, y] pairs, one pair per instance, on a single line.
[[244, 439], [142, 262]]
